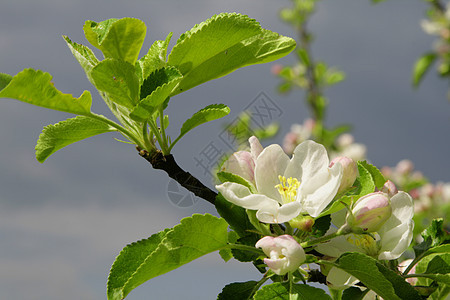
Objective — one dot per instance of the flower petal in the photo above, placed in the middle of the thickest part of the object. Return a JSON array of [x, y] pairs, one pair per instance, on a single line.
[[255, 147], [395, 241], [271, 163], [241, 196], [241, 163], [274, 213], [337, 246], [308, 159], [317, 192], [339, 279]]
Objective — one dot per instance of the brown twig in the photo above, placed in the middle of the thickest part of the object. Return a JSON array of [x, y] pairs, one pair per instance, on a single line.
[[168, 164]]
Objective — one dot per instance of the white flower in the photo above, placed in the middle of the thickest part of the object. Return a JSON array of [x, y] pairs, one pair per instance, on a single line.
[[283, 188], [388, 243], [285, 254]]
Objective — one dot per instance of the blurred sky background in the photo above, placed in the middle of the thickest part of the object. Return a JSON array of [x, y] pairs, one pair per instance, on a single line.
[[63, 222]]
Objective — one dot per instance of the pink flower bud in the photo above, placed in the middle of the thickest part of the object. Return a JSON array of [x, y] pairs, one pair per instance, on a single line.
[[350, 171], [389, 188], [369, 213], [404, 167], [276, 69], [284, 253]]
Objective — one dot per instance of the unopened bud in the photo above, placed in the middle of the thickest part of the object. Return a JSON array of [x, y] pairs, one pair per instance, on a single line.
[[304, 223], [350, 172], [369, 213], [389, 188]]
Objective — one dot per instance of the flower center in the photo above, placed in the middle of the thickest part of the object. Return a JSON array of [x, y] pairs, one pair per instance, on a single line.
[[287, 188], [366, 242]]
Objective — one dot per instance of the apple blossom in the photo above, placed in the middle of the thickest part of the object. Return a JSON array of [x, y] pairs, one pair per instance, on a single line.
[[388, 243], [283, 188], [284, 253], [350, 172]]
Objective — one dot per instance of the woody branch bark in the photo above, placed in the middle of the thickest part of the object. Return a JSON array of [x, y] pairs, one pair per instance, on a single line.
[[168, 164]]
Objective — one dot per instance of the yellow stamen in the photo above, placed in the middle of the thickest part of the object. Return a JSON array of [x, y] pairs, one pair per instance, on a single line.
[[365, 242], [287, 188]]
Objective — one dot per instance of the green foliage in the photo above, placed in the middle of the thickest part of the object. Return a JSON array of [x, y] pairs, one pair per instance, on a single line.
[[282, 291], [353, 293], [238, 291], [83, 55], [436, 271], [321, 226], [155, 90], [433, 236], [138, 262], [120, 39], [117, 78], [422, 65], [377, 177], [236, 216], [365, 180], [383, 281], [222, 44], [4, 80], [155, 57], [209, 113], [35, 87], [57, 136]]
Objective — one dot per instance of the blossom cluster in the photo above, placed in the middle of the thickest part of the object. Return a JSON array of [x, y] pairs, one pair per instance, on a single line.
[[297, 190]]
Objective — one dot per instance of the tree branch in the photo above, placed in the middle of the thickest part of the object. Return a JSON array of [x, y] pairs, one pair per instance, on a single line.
[[168, 164]]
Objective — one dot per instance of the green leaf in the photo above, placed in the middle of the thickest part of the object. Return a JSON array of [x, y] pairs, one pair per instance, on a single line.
[[432, 236], [59, 135], [282, 291], [422, 65], [209, 113], [118, 79], [158, 78], [222, 44], [83, 55], [367, 185], [156, 89], [226, 176], [235, 215], [353, 293], [321, 226], [129, 260], [337, 205], [4, 80], [194, 237], [377, 177], [155, 58], [437, 263], [120, 39], [238, 291], [35, 87], [383, 281]]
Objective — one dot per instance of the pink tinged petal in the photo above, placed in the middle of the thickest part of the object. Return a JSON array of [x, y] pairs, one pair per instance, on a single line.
[[241, 196], [317, 192], [308, 159], [339, 279], [271, 163], [284, 252], [255, 147], [402, 211], [349, 169], [389, 188], [370, 212], [241, 163]]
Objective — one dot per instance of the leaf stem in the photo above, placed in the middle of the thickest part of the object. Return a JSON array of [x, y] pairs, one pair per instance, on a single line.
[[245, 248], [121, 129], [321, 239]]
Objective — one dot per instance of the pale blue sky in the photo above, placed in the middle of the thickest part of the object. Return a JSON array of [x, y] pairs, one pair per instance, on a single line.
[[63, 222]]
